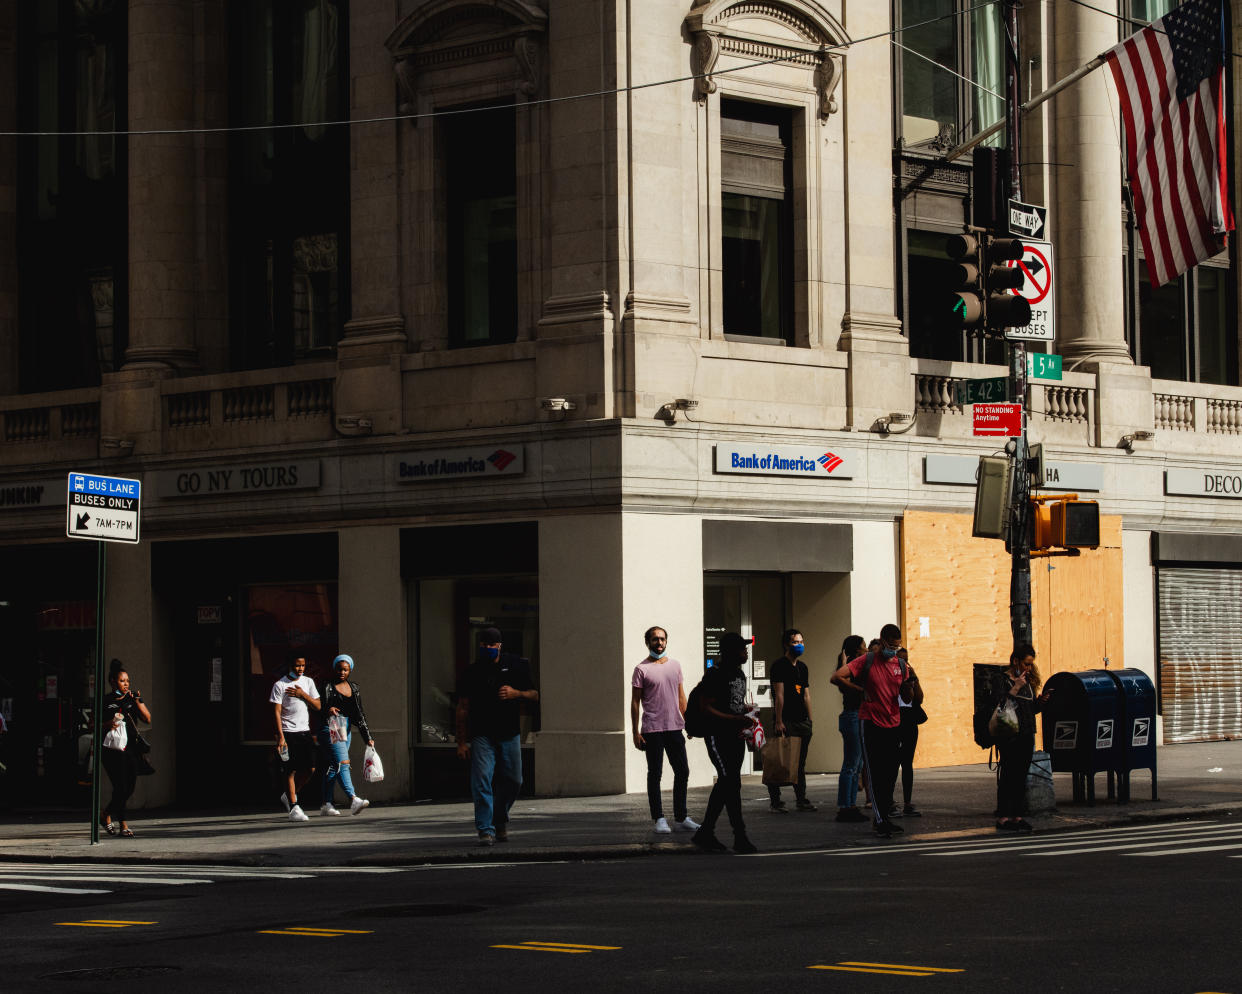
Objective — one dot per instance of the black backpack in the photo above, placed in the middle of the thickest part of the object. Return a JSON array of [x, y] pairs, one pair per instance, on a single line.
[[698, 722]]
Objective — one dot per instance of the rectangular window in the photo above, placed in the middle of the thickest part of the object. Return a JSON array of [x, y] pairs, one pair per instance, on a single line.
[[1182, 330], [952, 70], [480, 176], [756, 207], [289, 186], [72, 202]]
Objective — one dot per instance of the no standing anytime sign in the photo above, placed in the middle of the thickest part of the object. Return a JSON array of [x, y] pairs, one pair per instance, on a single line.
[[1036, 265]]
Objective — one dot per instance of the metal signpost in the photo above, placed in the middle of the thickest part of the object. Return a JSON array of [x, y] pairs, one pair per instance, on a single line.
[[101, 509]]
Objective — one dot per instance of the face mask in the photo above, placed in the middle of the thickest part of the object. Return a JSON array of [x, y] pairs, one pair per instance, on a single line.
[[293, 675], [797, 648], [658, 653], [888, 653], [490, 652]]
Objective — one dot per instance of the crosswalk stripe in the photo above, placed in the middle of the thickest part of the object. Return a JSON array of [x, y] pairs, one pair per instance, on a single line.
[[1057, 845], [98, 878], [1179, 852], [1118, 847], [41, 889]]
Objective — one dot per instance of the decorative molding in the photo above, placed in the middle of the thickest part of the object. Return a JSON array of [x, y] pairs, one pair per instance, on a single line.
[[576, 307], [379, 329], [656, 307], [445, 33], [819, 34]]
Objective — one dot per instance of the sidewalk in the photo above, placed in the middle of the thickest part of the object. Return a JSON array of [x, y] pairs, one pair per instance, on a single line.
[[1195, 780]]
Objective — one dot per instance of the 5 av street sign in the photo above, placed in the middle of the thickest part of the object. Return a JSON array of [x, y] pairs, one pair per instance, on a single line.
[[103, 508]]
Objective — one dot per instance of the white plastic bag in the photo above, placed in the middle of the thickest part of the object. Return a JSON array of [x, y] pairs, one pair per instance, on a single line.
[[117, 738], [338, 730], [372, 768]]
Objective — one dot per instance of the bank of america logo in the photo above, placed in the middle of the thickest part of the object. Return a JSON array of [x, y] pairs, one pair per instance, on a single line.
[[501, 458], [829, 461]]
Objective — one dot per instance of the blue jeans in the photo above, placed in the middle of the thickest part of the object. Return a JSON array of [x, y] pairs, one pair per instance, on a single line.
[[338, 763], [498, 760], [851, 761]]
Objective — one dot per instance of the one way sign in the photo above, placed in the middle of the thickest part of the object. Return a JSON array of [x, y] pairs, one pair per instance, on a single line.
[[1027, 220], [103, 508]]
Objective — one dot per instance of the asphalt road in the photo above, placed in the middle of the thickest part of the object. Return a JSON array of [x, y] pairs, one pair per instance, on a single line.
[[1139, 908]]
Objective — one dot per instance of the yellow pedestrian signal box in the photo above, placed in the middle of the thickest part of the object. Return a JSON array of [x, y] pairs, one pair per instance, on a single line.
[[1064, 522]]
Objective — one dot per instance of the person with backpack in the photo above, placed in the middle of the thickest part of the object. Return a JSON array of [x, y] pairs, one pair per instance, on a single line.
[[720, 700], [884, 679], [659, 693]]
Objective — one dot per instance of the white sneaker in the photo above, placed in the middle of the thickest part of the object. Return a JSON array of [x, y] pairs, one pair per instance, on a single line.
[[284, 799], [661, 827], [358, 804], [688, 824], [328, 809], [297, 814]]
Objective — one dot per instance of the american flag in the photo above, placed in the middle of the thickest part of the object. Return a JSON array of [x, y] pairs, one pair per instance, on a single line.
[[1171, 82]]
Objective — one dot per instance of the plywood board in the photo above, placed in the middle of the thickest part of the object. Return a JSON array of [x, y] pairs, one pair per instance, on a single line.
[[960, 584]]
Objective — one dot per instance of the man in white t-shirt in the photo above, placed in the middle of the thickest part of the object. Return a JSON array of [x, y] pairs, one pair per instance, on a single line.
[[292, 699], [658, 691]]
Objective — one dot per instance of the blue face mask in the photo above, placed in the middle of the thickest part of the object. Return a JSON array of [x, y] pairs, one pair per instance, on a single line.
[[797, 648], [490, 652], [888, 653], [293, 675]]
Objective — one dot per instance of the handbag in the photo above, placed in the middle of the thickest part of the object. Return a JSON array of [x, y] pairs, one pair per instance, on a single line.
[[142, 746], [780, 760], [1004, 720], [920, 715], [143, 767]]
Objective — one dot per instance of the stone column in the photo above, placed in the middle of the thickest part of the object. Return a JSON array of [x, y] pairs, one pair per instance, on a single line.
[[372, 612], [162, 262], [1086, 222], [870, 329]]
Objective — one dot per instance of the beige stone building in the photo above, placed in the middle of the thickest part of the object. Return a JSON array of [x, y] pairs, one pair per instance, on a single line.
[[569, 317]]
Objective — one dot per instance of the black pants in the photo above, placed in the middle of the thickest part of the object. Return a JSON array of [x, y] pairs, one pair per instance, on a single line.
[[673, 743], [774, 790], [882, 748], [726, 752], [905, 757], [1015, 761], [122, 770]]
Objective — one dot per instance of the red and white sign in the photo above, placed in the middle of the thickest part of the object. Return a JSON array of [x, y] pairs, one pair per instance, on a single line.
[[998, 420], [1036, 266]]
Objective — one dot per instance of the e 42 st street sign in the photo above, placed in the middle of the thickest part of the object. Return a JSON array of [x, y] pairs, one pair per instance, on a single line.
[[103, 508]]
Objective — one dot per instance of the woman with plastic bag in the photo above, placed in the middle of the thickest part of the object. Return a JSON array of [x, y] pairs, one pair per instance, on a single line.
[[1015, 750], [121, 710], [342, 710]]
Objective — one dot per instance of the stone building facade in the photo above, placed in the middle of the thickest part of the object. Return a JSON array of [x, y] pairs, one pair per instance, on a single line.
[[571, 317]]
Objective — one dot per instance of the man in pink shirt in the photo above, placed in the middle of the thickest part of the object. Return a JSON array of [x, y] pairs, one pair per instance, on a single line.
[[660, 695], [884, 678]]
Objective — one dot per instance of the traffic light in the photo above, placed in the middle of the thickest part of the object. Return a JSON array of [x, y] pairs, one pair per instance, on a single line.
[[1004, 310], [965, 300], [1064, 522]]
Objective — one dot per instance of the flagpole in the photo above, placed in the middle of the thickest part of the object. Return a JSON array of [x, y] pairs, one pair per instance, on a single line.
[[1027, 107]]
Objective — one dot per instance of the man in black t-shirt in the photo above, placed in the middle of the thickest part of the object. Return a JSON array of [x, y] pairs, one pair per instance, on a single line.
[[791, 713], [489, 717]]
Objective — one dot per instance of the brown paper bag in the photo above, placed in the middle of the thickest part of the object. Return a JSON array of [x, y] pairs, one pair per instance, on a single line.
[[780, 759]]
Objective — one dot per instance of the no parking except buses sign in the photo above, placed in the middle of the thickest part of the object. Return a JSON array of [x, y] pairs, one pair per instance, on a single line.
[[1037, 266]]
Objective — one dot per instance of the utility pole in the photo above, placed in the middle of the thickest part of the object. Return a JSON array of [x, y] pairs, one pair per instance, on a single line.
[[1019, 510]]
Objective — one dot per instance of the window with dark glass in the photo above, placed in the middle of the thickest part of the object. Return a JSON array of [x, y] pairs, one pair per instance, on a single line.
[[288, 184], [951, 61], [756, 208], [72, 197], [480, 181]]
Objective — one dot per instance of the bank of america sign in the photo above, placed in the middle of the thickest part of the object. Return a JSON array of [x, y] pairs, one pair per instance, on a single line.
[[823, 462]]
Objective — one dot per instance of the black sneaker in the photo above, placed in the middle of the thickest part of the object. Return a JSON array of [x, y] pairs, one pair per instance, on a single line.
[[851, 815], [884, 829], [895, 813], [1024, 825], [487, 839], [778, 808], [895, 829], [910, 811], [805, 805], [742, 846], [707, 841], [502, 832], [1008, 826]]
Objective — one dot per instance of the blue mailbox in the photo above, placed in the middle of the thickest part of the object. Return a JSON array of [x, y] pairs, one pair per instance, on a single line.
[[1137, 724], [1081, 732]]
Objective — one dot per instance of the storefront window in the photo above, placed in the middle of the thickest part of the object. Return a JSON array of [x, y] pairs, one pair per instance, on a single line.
[[280, 618]]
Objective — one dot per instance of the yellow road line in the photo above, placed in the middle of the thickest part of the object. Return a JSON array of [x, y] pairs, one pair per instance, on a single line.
[[328, 931], [544, 949], [864, 969], [903, 966], [317, 934], [567, 945], [106, 923]]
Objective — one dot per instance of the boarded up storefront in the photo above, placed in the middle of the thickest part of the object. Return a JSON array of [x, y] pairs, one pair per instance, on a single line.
[[960, 585]]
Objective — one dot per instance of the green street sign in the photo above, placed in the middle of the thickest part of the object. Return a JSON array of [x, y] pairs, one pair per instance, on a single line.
[[1043, 366], [988, 391]]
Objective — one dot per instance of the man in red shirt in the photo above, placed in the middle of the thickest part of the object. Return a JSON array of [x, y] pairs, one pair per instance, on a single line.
[[884, 678]]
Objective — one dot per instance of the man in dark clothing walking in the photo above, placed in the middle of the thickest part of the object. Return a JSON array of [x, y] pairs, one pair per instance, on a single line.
[[791, 710], [489, 700], [884, 678], [724, 703]]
